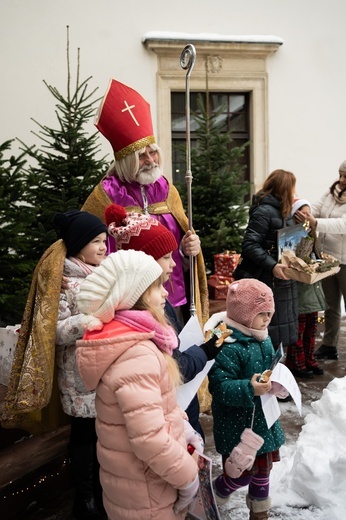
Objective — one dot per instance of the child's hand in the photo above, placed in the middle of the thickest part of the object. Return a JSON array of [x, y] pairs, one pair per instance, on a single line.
[[65, 285], [260, 388], [91, 323], [193, 438], [279, 390]]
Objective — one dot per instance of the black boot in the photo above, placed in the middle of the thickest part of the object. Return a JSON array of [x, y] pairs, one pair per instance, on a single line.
[[98, 488], [82, 464], [303, 373], [326, 352]]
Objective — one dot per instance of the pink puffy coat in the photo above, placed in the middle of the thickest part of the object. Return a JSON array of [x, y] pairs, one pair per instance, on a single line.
[[141, 443]]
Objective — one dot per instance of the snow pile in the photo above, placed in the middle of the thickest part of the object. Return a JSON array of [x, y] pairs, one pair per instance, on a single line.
[[312, 473]]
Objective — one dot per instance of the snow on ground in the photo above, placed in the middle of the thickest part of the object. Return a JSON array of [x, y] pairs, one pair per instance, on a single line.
[[309, 483]]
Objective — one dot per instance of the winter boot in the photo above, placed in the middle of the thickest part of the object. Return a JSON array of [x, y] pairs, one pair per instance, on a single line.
[[221, 491], [326, 352], [259, 509], [82, 463], [98, 492]]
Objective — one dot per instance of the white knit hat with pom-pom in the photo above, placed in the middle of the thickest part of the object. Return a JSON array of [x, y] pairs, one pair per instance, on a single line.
[[117, 283]]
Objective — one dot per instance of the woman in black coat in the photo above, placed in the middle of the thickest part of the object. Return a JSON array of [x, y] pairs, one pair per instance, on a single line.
[[269, 212]]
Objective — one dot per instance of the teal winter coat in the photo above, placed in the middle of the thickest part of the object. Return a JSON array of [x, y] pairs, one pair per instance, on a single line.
[[233, 395]]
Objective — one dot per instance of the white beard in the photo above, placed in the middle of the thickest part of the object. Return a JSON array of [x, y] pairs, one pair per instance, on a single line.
[[148, 175]]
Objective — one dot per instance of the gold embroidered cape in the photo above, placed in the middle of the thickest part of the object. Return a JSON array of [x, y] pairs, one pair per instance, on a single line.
[[32, 402]]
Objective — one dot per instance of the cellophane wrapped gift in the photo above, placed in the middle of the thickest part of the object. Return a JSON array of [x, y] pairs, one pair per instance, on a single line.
[[8, 342], [225, 263], [218, 286]]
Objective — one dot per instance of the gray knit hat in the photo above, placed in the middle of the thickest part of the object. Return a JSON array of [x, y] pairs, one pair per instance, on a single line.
[[342, 167], [117, 283]]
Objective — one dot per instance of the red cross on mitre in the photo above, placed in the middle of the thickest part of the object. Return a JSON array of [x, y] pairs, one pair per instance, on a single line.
[[124, 118]]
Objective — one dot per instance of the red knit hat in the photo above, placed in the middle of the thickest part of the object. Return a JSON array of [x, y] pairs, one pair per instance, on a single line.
[[124, 119], [139, 232], [246, 298]]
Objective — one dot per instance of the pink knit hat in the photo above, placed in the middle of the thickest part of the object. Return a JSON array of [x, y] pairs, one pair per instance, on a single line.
[[246, 298]]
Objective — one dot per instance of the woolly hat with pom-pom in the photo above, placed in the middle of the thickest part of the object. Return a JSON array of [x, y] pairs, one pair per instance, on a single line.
[[246, 298], [117, 284], [140, 232], [297, 204], [77, 229]]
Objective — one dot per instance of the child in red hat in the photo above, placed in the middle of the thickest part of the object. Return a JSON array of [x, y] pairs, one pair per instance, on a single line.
[[133, 230]]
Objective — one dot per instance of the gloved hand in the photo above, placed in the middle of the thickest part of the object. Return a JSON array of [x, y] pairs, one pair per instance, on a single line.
[[220, 332], [192, 437], [278, 390], [243, 455], [187, 497], [91, 323], [210, 347]]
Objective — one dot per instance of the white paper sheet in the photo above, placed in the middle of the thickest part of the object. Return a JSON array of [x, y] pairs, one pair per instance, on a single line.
[[271, 409], [191, 334]]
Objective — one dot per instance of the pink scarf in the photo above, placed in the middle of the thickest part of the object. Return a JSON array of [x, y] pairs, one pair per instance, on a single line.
[[259, 335], [86, 268], [143, 321]]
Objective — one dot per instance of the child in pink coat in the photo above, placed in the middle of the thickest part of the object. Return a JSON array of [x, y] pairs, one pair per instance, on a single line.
[[146, 470]]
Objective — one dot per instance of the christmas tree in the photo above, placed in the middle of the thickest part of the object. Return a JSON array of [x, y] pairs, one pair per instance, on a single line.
[[65, 169], [60, 175], [16, 223]]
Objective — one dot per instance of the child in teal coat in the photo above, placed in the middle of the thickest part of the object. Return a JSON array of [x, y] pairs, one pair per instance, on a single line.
[[240, 426]]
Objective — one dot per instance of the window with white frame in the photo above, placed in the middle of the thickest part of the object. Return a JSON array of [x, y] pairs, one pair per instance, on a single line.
[[233, 115], [231, 67]]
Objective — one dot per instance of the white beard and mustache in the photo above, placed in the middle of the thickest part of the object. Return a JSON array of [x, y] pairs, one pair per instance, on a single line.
[[148, 174]]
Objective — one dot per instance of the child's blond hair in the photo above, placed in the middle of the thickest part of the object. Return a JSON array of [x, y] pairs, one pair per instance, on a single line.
[[142, 305]]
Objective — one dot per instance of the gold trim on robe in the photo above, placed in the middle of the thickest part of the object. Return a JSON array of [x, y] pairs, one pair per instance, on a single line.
[[32, 402]]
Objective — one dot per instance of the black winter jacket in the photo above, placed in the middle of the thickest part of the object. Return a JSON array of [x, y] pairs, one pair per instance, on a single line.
[[259, 255]]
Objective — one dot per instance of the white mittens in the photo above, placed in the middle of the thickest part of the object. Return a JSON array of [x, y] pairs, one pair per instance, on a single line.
[[192, 437], [278, 390], [187, 496], [243, 455]]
